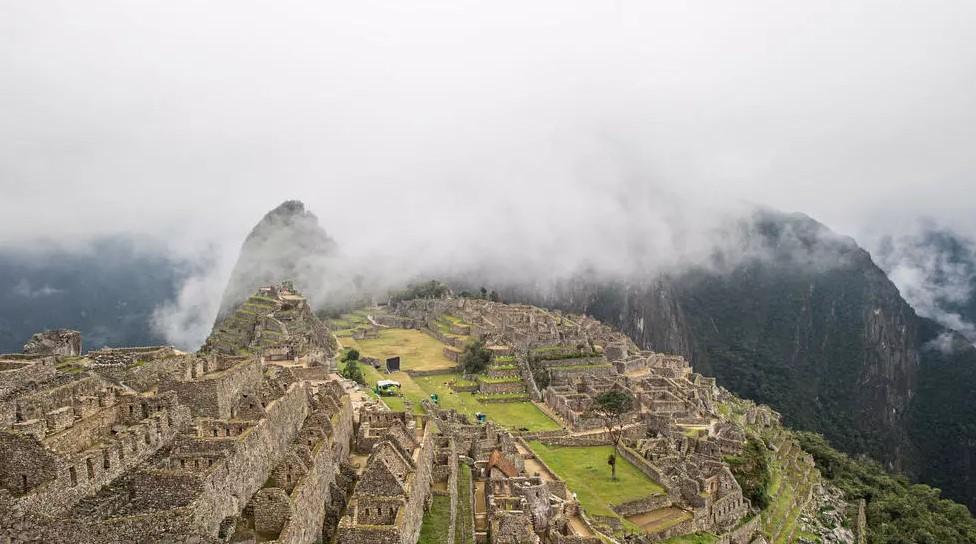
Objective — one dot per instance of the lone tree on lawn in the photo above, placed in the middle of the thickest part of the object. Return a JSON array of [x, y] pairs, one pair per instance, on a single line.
[[611, 406], [475, 357], [351, 370]]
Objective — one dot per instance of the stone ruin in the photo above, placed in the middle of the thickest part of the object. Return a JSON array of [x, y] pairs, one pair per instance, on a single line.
[[674, 433], [64, 342], [256, 439], [155, 445]]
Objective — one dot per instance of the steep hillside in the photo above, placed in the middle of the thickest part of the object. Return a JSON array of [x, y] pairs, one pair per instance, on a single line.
[[810, 325], [275, 322], [287, 244]]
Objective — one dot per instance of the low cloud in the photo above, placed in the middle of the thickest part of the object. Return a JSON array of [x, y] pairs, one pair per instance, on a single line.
[[935, 270], [23, 288], [186, 320]]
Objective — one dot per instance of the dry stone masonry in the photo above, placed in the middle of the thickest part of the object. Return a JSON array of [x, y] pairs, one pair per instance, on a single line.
[[255, 438]]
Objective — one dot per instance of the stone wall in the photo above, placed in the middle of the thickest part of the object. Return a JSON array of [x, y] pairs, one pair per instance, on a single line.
[[63, 342], [411, 517], [36, 403], [648, 469], [490, 388], [196, 504], [742, 534], [14, 375], [228, 486], [310, 496], [215, 394], [146, 376], [82, 474], [84, 432], [575, 361], [640, 506]]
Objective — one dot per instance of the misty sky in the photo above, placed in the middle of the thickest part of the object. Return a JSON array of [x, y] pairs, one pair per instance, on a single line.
[[537, 124]]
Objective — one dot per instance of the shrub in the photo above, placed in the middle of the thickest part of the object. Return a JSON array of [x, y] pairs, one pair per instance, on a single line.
[[475, 358]]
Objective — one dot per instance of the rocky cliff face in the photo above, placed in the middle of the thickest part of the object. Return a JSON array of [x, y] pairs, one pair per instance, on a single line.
[[287, 244], [809, 324]]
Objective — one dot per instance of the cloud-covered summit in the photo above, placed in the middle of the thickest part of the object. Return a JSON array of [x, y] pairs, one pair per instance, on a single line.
[[287, 244]]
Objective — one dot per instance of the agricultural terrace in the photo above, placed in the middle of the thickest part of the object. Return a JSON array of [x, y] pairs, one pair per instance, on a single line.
[[420, 351], [346, 323], [585, 471]]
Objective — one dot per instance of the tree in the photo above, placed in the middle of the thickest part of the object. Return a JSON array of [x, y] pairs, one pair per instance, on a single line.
[[352, 371], [612, 406], [751, 470], [475, 357], [351, 355]]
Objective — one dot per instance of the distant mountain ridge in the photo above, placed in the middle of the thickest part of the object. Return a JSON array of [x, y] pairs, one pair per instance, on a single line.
[[816, 329]]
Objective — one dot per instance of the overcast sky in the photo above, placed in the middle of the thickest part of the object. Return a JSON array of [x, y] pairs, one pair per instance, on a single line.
[[438, 122]]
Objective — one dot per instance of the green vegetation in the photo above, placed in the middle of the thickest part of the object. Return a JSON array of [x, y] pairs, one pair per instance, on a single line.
[[430, 289], [461, 382], [555, 353], [482, 293], [584, 471], [417, 351], [751, 469], [500, 397], [437, 521], [464, 526], [349, 321], [512, 415], [499, 379], [897, 511], [475, 358], [611, 406], [351, 369]]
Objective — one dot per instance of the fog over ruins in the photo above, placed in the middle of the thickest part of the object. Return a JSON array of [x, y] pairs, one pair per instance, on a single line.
[[509, 272]]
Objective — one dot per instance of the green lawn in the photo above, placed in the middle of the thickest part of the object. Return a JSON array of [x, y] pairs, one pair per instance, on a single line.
[[586, 473], [464, 526], [423, 352], [437, 521], [513, 415], [417, 350]]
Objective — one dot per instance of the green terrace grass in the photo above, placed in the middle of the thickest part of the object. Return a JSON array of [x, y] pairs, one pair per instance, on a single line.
[[513, 415], [505, 359], [504, 367], [437, 521], [349, 320], [499, 379], [417, 351], [464, 526], [408, 388], [586, 473], [504, 397]]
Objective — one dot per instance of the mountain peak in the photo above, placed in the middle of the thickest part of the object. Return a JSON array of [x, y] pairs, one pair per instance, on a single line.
[[286, 244]]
